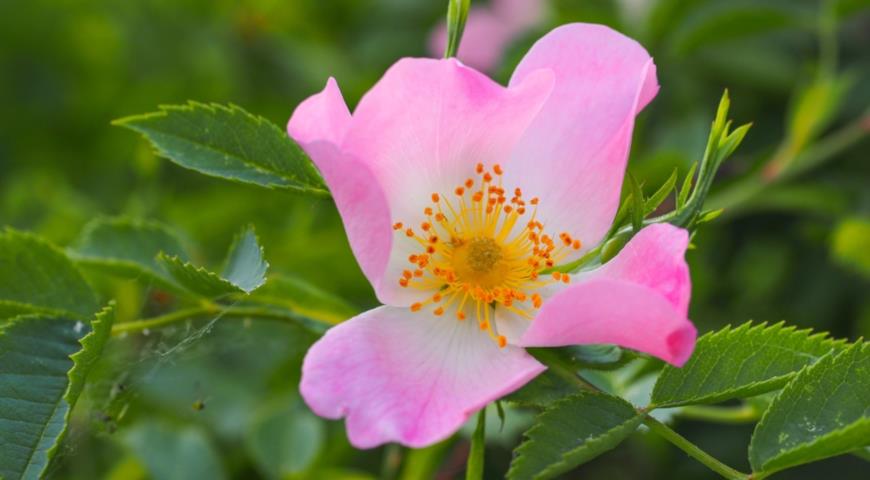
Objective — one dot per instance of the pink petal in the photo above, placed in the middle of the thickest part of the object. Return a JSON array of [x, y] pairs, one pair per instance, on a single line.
[[423, 127], [655, 258], [638, 300], [319, 124], [321, 117], [410, 378], [573, 155]]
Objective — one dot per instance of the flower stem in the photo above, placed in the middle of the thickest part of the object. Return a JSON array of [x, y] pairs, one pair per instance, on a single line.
[[203, 311], [457, 12], [559, 368], [692, 450]]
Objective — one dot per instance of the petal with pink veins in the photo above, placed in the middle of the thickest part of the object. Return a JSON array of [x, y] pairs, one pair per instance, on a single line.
[[421, 130], [638, 300], [573, 156], [411, 378]]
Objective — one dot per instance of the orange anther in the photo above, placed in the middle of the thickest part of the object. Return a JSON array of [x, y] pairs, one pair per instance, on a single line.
[[502, 341], [460, 191], [576, 245], [534, 201], [430, 250], [425, 226], [418, 273], [487, 177], [469, 183], [479, 168], [484, 325], [409, 232], [412, 258], [521, 210], [436, 297], [415, 307], [433, 239], [397, 226], [460, 316], [508, 209], [518, 192], [440, 217], [439, 311], [427, 211], [565, 278], [436, 198], [407, 274], [497, 169], [403, 282]]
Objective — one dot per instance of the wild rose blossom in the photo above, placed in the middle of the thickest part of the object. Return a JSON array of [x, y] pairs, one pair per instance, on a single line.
[[489, 30], [457, 194]]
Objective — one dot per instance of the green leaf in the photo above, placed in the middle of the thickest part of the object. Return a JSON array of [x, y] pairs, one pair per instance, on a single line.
[[174, 453], [637, 206], [36, 276], [683, 194], [298, 295], [543, 390], [227, 142], [573, 431], [128, 248], [244, 272], [474, 469], [849, 244], [653, 202], [284, 439], [740, 362], [425, 462], [44, 362], [824, 411]]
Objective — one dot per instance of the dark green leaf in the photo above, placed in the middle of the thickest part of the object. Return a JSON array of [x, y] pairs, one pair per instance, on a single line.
[[544, 390], [683, 194], [35, 276], [174, 453], [128, 247], [637, 203], [740, 362], [227, 142], [244, 272], [824, 411], [44, 361], [573, 431]]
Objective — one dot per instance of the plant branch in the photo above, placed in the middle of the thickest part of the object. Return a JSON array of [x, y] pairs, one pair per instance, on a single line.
[[559, 368], [204, 311]]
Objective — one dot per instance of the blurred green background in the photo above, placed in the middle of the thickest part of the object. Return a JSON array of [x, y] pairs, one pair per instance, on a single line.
[[218, 400]]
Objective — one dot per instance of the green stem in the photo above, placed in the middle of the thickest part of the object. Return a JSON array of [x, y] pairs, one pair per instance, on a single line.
[[392, 461], [692, 450], [743, 414], [203, 311], [457, 12], [559, 368]]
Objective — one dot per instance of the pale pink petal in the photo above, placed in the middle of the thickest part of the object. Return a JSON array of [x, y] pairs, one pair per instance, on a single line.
[[521, 14], [484, 41], [655, 258], [421, 130], [319, 124], [321, 117], [638, 300], [573, 156], [410, 378]]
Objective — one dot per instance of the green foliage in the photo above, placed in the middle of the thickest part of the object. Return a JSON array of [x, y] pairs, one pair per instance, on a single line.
[[56, 354], [228, 142], [474, 468], [850, 242], [35, 276], [244, 271], [301, 296], [174, 453], [573, 431], [824, 411], [128, 248], [284, 439], [740, 362]]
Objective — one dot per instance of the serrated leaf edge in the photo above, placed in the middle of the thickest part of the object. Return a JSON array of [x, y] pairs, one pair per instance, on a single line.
[[554, 405], [754, 388]]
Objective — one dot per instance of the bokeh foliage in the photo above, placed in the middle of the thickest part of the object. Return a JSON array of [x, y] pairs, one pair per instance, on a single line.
[[792, 243]]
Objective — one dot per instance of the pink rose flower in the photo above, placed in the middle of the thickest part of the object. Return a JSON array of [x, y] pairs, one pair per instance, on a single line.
[[489, 31], [456, 194]]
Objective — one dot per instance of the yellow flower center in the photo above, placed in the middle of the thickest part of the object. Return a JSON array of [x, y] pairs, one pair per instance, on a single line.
[[478, 252]]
